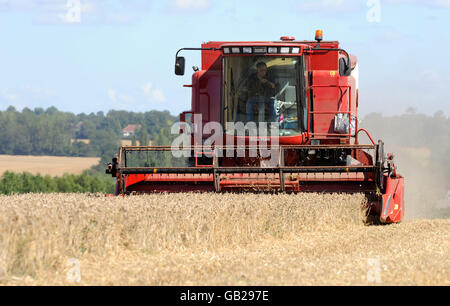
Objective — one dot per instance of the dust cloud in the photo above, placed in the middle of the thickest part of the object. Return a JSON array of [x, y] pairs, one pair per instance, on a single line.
[[421, 147]]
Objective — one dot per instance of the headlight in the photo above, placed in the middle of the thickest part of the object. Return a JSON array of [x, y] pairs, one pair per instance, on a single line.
[[260, 49]]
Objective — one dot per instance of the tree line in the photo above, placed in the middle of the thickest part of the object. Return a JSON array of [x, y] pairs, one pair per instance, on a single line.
[[52, 132], [17, 183]]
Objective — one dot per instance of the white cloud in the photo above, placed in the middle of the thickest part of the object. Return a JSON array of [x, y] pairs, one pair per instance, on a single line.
[[37, 91], [112, 95], [158, 95], [9, 96], [190, 6], [429, 3], [127, 99], [33, 92], [80, 11], [146, 88], [351, 6], [442, 3], [132, 99], [120, 18], [30, 96], [123, 101], [326, 6], [153, 94], [17, 4]]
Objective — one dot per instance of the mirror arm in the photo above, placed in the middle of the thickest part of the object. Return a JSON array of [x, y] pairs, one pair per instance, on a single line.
[[196, 49]]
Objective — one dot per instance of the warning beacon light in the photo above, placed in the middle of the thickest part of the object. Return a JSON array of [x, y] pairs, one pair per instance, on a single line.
[[319, 35]]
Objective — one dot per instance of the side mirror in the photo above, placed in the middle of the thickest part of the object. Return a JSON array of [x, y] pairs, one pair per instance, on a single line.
[[344, 67], [179, 65]]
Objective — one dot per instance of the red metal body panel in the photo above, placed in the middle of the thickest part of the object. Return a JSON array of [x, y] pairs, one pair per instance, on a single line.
[[348, 182], [325, 60], [211, 60], [285, 140], [393, 200], [329, 99], [206, 95]]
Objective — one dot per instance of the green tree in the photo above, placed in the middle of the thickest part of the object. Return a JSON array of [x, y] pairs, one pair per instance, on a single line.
[[144, 137]]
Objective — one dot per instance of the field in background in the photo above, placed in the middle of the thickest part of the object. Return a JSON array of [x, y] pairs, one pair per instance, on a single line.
[[51, 165], [125, 143], [128, 143], [214, 239]]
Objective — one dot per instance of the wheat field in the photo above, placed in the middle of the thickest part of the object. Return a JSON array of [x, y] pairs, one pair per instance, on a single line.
[[214, 239], [51, 165]]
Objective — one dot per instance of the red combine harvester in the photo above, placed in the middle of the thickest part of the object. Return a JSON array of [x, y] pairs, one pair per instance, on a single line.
[[306, 91]]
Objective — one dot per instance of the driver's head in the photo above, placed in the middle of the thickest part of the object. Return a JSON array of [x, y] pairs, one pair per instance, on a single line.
[[261, 69]]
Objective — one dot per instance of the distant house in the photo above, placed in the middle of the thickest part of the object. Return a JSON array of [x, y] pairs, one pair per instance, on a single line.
[[130, 130]]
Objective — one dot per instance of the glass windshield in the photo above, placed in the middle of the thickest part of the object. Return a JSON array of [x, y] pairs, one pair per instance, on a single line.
[[264, 89]]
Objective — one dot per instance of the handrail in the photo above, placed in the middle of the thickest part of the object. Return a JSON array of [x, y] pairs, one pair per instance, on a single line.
[[206, 147], [367, 133]]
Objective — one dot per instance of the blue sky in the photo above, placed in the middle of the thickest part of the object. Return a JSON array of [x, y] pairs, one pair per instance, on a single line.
[[120, 55]]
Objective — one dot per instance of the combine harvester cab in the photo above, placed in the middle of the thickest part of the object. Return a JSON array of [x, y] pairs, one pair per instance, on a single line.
[[305, 93]]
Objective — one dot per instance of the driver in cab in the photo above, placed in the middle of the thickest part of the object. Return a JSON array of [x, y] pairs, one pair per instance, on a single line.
[[260, 88]]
